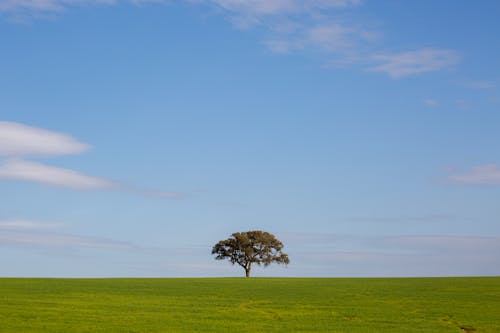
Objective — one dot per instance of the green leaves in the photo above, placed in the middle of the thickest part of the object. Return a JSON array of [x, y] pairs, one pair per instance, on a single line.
[[246, 248]]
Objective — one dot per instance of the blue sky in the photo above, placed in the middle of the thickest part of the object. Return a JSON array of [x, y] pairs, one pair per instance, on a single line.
[[136, 134]]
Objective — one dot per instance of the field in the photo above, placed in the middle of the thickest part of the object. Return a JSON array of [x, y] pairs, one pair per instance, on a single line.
[[250, 305]]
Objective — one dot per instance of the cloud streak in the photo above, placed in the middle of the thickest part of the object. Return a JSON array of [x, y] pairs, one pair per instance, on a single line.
[[294, 25], [486, 174], [240, 7], [48, 175], [25, 233], [28, 225], [479, 84], [401, 244], [398, 65], [19, 141], [326, 27], [38, 6], [56, 240], [330, 28], [253, 11], [393, 255], [22, 140], [430, 102]]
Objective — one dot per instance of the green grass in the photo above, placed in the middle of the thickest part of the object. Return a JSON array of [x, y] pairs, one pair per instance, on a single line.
[[250, 305]]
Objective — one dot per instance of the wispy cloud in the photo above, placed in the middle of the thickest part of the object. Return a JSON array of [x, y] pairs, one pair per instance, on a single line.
[[279, 7], [333, 37], [22, 140], [486, 174], [57, 240], [327, 27], [239, 7], [26, 224], [19, 141], [394, 255], [398, 65], [429, 218], [299, 25], [458, 244], [338, 41], [430, 102], [330, 28], [164, 194], [479, 84], [26, 233], [44, 174], [44, 6]]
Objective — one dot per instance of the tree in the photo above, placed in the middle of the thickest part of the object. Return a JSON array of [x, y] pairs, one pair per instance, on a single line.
[[246, 248]]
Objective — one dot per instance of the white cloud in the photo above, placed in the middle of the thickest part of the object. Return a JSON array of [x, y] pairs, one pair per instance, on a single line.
[[430, 102], [25, 224], [52, 239], [479, 84], [163, 194], [45, 5], [450, 244], [278, 7], [327, 26], [408, 63], [334, 40], [241, 7], [21, 140], [393, 255], [257, 7], [333, 37], [283, 46], [316, 26], [486, 174], [40, 173], [278, 15], [296, 24], [18, 141]]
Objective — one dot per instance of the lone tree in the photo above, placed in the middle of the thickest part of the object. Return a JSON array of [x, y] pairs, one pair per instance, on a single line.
[[246, 248]]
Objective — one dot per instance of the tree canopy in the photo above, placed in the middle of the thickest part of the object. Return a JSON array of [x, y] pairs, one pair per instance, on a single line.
[[249, 247]]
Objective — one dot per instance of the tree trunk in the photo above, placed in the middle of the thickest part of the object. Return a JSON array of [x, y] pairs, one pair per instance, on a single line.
[[247, 271]]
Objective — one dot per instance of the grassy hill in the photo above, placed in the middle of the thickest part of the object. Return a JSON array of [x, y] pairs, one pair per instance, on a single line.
[[250, 305]]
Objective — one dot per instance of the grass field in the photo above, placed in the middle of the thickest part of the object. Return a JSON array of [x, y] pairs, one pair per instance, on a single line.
[[250, 305]]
